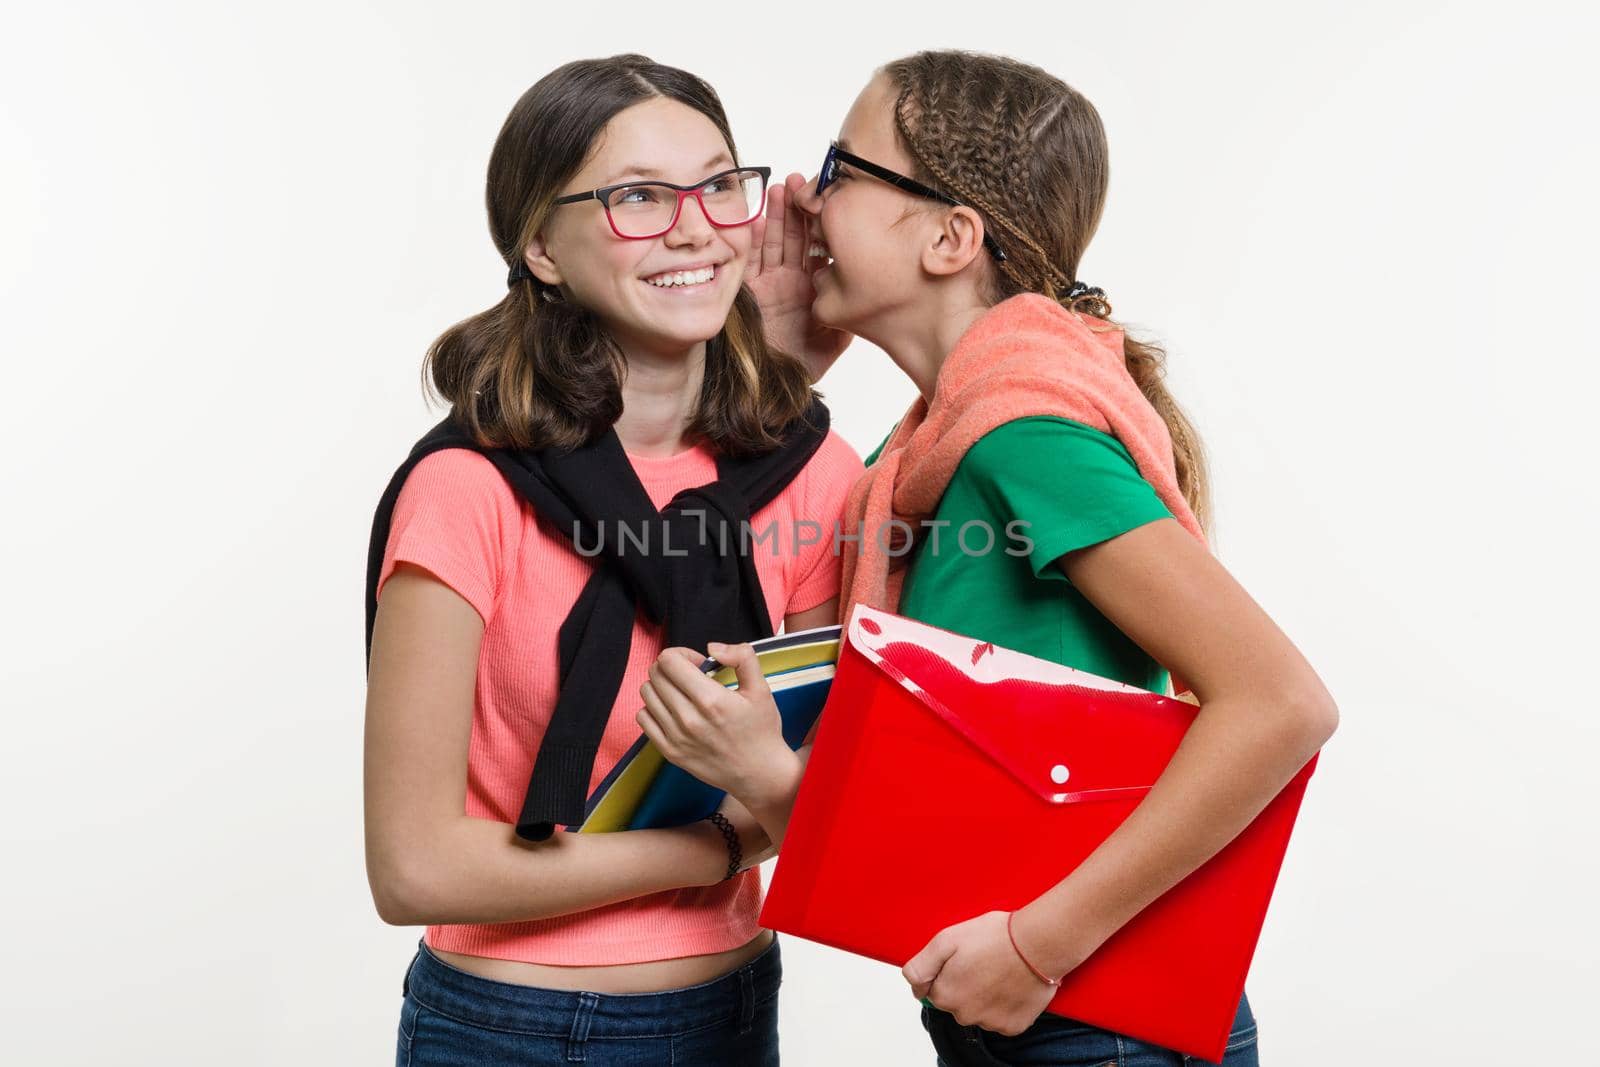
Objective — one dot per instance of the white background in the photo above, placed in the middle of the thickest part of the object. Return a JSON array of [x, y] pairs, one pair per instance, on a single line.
[[1365, 230]]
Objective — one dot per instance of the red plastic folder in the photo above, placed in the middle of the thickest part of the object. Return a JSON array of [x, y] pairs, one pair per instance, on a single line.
[[950, 777]]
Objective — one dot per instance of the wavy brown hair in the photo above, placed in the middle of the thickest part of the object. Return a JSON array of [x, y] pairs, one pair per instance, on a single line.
[[538, 370], [1028, 152]]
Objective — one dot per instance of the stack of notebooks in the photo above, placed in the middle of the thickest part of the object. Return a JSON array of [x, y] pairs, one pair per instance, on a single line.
[[644, 791]]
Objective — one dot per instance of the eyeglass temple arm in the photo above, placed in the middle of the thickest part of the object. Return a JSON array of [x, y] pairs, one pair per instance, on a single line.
[[911, 185]]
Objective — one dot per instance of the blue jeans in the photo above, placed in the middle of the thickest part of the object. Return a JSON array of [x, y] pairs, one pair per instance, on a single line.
[[1056, 1041], [454, 1019]]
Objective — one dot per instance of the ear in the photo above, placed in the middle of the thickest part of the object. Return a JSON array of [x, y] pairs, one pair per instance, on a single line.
[[537, 257], [958, 240]]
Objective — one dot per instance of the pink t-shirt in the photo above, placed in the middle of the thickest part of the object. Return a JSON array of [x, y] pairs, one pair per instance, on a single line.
[[457, 517]]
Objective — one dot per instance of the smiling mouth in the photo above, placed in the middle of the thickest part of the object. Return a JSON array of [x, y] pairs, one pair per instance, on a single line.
[[683, 279], [819, 250]]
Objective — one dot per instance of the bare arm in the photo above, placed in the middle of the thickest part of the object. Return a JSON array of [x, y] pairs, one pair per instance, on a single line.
[[821, 615], [773, 805], [1264, 713], [427, 861]]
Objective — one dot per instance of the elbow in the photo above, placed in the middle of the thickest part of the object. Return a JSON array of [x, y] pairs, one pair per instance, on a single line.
[[1316, 715], [402, 893], [1330, 719], [395, 907]]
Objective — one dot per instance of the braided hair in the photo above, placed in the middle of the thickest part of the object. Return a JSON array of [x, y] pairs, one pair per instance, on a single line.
[[1028, 152]]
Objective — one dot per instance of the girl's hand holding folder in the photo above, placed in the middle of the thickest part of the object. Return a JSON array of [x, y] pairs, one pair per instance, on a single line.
[[971, 970]]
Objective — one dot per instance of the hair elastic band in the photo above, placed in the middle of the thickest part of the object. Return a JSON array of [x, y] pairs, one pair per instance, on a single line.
[[1082, 289], [518, 272]]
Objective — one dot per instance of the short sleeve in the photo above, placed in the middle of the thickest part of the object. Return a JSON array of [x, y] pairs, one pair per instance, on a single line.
[[1071, 484], [828, 477], [457, 517]]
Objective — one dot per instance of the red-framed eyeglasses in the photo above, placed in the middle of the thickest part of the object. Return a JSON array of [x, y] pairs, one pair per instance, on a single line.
[[640, 210]]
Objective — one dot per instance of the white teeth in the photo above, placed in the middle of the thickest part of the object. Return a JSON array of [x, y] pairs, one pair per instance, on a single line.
[[682, 277], [817, 249]]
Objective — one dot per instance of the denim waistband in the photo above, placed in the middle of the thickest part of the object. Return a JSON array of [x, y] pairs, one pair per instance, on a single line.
[[733, 997]]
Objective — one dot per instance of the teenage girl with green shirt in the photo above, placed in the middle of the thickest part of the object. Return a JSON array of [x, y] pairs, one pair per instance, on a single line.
[[958, 182]]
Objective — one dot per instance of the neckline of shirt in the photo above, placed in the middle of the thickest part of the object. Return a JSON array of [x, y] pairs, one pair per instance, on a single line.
[[694, 457]]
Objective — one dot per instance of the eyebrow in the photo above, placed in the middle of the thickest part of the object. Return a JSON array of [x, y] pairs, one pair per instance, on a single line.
[[651, 172]]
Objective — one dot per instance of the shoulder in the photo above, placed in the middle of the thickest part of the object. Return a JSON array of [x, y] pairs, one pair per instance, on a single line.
[[1042, 445], [458, 476], [1072, 484], [835, 459], [458, 494], [457, 462], [828, 475]]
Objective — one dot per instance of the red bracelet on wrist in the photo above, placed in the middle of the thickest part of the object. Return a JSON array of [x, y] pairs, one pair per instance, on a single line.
[[1037, 973]]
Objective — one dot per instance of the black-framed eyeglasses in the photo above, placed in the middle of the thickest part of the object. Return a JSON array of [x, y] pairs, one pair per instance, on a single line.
[[837, 155], [640, 210]]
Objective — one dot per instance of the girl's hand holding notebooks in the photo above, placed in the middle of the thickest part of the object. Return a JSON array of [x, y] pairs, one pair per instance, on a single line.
[[728, 738], [645, 789]]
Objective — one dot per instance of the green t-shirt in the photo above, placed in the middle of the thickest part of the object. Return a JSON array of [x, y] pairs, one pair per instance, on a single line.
[[1072, 486]]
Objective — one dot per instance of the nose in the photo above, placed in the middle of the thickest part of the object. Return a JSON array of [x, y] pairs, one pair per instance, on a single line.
[[693, 227]]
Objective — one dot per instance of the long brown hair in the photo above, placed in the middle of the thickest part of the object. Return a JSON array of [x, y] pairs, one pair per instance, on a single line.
[[537, 370], [1029, 153]]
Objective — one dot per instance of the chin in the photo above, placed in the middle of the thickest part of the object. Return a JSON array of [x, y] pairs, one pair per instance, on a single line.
[[679, 327], [684, 331], [826, 310], [697, 328]]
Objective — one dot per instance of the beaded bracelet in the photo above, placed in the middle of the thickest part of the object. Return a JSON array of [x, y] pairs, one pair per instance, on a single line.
[[735, 854], [1037, 973]]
